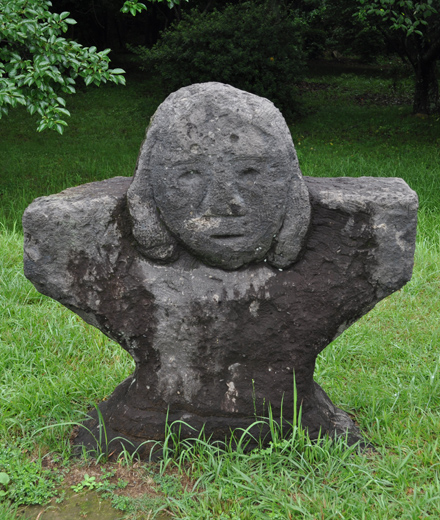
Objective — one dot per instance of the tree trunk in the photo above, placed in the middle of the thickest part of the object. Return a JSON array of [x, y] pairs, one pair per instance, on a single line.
[[426, 95]]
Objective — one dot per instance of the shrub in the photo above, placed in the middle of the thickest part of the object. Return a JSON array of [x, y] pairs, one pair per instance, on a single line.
[[253, 46], [314, 42]]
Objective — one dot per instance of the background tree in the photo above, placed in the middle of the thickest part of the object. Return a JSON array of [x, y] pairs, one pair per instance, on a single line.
[[39, 66], [345, 32], [412, 29]]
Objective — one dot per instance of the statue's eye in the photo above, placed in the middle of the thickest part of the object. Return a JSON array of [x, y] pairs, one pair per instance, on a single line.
[[190, 177], [249, 174]]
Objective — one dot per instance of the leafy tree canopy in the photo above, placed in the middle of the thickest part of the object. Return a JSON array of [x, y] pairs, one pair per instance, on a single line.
[[409, 17], [39, 66]]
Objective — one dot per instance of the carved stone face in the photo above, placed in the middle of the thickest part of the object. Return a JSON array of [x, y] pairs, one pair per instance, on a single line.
[[225, 198], [218, 174]]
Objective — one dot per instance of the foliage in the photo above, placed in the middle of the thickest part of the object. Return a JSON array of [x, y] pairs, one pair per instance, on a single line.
[[348, 34], [404, 15], [252, 46], [315, 40], [39, 66], [24, 481], [87, 484], [133, 6], [372, 28], [413, 30], [330, 26]]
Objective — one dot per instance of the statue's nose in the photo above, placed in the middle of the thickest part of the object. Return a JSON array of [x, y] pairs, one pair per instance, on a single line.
[[223, 200]]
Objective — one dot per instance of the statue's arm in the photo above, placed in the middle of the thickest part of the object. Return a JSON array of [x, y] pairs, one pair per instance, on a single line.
[[386, 209], [72, 241]]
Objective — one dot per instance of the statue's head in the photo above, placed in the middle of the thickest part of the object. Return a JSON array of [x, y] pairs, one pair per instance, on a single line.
[[218, 175]]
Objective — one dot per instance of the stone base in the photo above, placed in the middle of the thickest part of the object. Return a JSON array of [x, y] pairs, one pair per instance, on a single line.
[[123, 426]]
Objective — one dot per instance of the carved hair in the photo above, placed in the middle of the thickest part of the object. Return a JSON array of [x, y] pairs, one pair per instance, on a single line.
[[155, 240]]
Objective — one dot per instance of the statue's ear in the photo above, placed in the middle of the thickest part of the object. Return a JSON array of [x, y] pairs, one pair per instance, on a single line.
[[289, 241], [154, 239]]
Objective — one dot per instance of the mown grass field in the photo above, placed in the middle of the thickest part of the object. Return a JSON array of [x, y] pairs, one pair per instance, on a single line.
[[385, 369]]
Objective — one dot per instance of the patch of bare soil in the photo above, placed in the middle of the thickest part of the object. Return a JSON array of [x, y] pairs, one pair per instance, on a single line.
[[139, 483], [130, 481]]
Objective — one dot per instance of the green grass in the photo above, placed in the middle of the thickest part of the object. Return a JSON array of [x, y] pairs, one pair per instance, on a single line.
[[385, 369], [102, 140], [294, 479], [52, 362]]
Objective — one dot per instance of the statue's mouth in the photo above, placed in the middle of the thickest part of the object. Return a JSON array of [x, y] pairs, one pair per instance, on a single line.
[[228, 236]]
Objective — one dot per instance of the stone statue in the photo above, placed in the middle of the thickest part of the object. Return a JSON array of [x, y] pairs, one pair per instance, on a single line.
[[220, 269]]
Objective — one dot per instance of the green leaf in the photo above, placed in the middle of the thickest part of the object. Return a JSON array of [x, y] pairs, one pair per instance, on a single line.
[[4, 479], [63, 111]]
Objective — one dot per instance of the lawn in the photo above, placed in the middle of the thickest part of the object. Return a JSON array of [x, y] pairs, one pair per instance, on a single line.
[[384, 370]]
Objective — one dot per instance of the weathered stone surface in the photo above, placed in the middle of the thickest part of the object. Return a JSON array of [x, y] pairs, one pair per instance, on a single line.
[[205, 339], [218, 336]]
